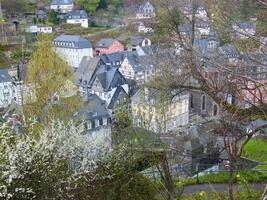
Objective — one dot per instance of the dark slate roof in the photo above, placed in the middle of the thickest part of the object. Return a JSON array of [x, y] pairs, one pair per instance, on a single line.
[[86, 69], [246, 25], [94, 108], [62, 2], [141, 63], [150, 50], [228, 50], [105, 43], [109, 77], [136, 40], [4, 76], [72, 41], [142, 6], [119, 91], [77, 14]]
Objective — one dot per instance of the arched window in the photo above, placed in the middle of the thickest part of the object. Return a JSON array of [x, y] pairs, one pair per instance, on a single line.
[[215, 110], [191, 101], [203, 102]]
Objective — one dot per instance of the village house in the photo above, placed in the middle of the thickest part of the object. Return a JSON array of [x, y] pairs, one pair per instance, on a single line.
[[200, 12], [158, 112], [95, 77], [244, 30], [138, 68], [108, 46], [142, 28], [41, 14], [77, 17], [72, 48], [137, 41], [35, 29], [229, 54], [62, 6], [96, 120], [145, 10]]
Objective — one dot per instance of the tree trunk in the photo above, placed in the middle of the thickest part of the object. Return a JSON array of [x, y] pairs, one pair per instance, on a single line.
[[264, 194], [168, 182], [231, 181]]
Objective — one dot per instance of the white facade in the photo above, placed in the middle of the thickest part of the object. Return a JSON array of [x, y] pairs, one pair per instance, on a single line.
[[83, 22], [74, 56], [62, 8], [143, 29], [40, 29]]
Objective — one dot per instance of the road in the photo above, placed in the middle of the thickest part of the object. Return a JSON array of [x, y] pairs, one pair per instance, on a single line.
[[220, 187]]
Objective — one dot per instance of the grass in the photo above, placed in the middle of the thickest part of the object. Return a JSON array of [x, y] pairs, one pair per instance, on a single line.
[[76, 29], [223, 177], [242, 195], [256, 149]]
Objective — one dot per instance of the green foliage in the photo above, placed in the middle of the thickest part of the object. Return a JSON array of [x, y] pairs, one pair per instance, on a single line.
[[223, 177], [53, 89], [53, 17]]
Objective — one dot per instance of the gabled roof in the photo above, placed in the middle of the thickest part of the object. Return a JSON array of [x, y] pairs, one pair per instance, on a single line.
[[119, 91], [136, 40], [228, 50], [62, 2], [245, 25], [105, 43], [94, 108], [86, 69], [4, 76], [72, 41], [109, 77], [145, 4], [77, 14]]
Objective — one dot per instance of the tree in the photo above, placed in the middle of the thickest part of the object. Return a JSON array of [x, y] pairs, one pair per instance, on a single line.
[[53, 92], [53, 17], [222, 79], [89, 5]]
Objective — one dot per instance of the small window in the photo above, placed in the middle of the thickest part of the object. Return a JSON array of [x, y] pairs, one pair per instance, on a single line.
[[203, 102]]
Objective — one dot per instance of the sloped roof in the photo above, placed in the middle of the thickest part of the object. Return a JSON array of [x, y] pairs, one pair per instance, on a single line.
[[72, 41], [77, 14], [86, 70], [62, 2], [116, 95], [105, 43], [4, 76], [94, 108]]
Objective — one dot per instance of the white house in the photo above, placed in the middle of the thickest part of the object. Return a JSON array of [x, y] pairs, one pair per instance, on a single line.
[[8, 90], [144, 29], [200, 12], [72, 48], [137, 41], [62, 6], [77, 17], [146, 10], [32, 28]]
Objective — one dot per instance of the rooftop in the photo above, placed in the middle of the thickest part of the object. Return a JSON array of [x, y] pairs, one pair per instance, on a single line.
[[72, 42]]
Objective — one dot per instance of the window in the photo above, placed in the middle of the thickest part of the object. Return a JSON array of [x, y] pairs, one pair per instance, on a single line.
[[191, 101], [203, 102], [215, 110]]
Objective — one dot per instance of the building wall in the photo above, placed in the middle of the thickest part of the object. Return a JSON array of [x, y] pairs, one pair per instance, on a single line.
[[83, 22], [62, 8], [115, 47], [167, 115], [74, 56], [127, 70], [197, 104]]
